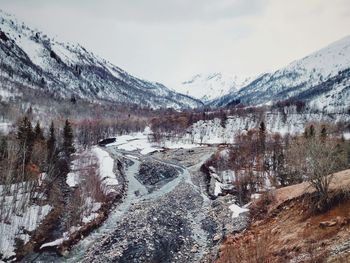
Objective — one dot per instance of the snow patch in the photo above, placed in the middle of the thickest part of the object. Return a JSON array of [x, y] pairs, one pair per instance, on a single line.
[[72, 179], [236, 210], [15, 226], [90, 218], [218, 188], [105, 170], [135, 142], [54, 243]]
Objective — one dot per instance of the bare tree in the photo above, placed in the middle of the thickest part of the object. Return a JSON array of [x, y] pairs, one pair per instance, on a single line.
[[323, 159], [317, 159]]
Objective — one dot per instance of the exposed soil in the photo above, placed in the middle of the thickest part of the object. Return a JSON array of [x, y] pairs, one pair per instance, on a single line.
[[290, 233]]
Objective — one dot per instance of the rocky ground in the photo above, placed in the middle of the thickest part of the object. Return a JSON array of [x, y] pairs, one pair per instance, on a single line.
[[155, 174], [165, 216], [175, 222]]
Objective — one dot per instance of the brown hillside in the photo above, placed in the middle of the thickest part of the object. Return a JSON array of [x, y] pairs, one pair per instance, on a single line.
[[290, 233]]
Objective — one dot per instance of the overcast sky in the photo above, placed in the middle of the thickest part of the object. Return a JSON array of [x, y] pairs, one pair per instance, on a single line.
[[170, 40]]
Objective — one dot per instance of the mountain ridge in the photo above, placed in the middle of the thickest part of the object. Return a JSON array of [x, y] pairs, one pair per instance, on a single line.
[[210, 86], [297, 77], [65, 70]]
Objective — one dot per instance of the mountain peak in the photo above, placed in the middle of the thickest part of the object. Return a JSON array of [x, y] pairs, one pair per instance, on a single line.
[[35, 60], [210, 86], [320, 79]]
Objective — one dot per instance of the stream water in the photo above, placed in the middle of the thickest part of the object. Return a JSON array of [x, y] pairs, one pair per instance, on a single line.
[[136, 193]]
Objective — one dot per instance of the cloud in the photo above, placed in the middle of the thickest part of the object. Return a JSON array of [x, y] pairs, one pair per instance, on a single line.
[[149, 10], [170, 10]]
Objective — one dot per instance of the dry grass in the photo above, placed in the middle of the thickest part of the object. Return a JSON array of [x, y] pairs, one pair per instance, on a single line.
[[340, 182], [288, 231]]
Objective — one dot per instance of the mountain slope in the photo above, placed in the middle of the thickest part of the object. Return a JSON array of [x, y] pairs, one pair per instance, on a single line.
[[207, 87], [328, 65], [65, 70]]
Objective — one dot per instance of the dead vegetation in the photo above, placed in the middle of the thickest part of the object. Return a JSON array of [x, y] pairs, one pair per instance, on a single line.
[[284, 229]]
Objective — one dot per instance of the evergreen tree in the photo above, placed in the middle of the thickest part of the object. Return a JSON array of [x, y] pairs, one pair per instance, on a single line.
[[68, 147], [262, 136], [38, 133], [25, 138], [3, 148], [51, 144]]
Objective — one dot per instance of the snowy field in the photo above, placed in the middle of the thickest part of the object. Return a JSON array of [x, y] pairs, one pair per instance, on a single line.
[[105, 170], [87, 166], [140, 142], [135, 142], [18, 217]]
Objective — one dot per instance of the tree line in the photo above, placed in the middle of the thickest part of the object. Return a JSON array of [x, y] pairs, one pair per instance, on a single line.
[[261, 161], [31, 159]]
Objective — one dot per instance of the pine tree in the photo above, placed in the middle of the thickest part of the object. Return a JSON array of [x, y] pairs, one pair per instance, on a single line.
[[38, 133], [25, 138], [68, 147], [51, 144], [262, 136], [3, 148]]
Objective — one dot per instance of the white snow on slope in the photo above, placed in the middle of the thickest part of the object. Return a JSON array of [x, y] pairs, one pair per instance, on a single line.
[[207, 87], [297, 77], [106, 165], [70, 77], [34, 50], [16, 226], [326, 61], [65, 53], [212, 132], [236, 210]]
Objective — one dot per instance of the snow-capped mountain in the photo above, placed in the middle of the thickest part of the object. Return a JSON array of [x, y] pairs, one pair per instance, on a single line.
[[321, 79], [207, 87], [32, 59]]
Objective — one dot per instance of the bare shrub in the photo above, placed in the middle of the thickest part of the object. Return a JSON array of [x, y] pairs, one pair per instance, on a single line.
[[316, 159], [260, 207]]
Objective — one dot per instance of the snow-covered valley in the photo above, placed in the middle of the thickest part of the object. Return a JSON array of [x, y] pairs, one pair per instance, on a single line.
[[97, 165], [175, 222]]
